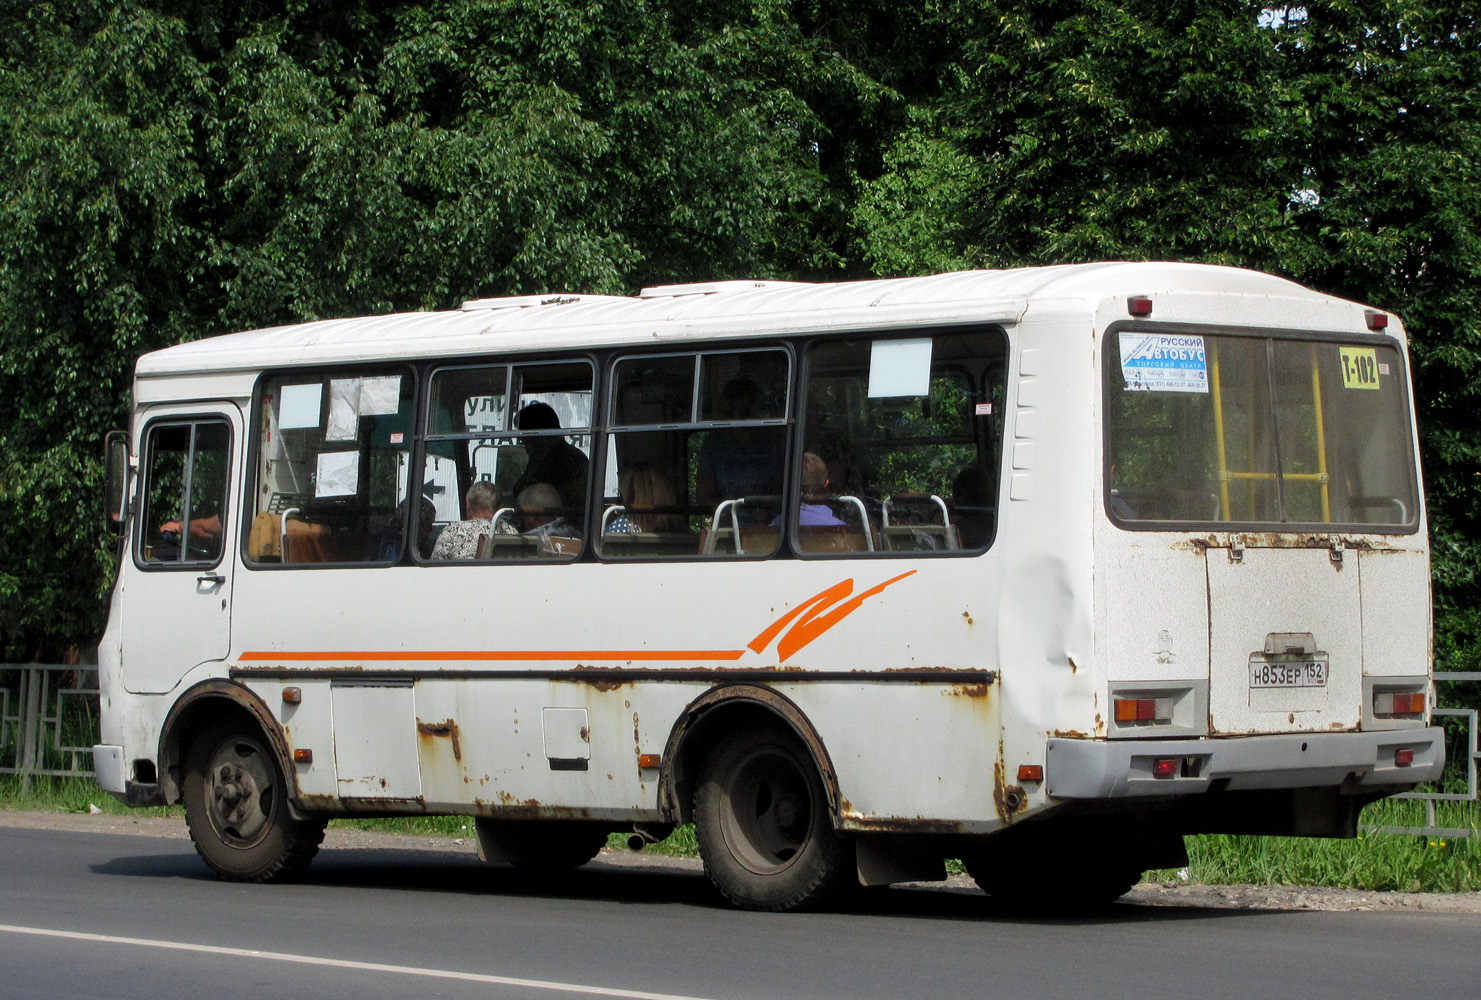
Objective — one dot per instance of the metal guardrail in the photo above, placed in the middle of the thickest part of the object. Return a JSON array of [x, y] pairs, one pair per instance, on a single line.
[[1431, 826], [44, 709]]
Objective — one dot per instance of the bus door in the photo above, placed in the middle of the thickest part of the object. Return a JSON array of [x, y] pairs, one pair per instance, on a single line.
[[177, 593]]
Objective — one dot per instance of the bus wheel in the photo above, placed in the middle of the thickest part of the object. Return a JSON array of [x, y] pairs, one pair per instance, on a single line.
[[550, 845], [761, 819], [236, 806], [1053, 872]]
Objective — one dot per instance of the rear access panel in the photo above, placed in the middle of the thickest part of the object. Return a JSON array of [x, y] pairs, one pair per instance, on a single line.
[[1286, 641]]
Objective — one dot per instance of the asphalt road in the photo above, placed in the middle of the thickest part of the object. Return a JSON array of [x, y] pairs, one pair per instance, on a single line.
[[101, 915]]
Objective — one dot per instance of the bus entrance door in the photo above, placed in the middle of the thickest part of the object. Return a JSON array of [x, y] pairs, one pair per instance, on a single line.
[[176, 595]]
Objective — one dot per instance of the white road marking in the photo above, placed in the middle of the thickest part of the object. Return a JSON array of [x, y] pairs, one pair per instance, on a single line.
[[342, 963]]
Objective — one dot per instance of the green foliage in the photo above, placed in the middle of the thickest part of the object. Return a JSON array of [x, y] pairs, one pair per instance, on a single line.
[[1338, 144], [170, 170]]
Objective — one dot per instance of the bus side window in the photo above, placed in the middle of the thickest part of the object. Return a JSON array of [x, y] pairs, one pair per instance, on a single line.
[[333, 468], [508, 461], [899, 443], [696, 455], [185, 489]]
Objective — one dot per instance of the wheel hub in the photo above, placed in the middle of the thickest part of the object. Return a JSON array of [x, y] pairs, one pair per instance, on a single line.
[[240, 793]]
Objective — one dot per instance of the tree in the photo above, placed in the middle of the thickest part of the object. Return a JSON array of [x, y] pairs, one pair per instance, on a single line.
[[172, 169], [1337, 144]]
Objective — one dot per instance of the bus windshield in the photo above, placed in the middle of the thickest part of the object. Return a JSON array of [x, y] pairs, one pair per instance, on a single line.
[[1215, 428]]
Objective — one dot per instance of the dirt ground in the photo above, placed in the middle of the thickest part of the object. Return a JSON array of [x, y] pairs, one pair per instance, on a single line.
[[1245, 897]]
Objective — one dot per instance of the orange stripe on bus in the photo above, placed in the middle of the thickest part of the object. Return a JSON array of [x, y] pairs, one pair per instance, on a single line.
[[496, 654]]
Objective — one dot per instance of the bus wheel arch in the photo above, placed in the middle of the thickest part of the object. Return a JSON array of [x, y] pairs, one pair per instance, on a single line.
[[202, 706], [227, 759], [726, 709]]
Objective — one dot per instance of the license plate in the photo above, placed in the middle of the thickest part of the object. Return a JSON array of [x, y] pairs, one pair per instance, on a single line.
[[1288, 673]]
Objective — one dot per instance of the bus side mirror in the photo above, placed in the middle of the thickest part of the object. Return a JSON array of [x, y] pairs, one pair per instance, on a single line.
[[115, 481]]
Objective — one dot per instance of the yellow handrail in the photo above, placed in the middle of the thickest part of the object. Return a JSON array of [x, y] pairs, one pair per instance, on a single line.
[[1219, 432], [1321, 439]]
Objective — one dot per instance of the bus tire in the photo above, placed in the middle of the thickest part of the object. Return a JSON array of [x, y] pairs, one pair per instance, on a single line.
[[761, 820], [236, 807], [541, 845], [1054, 872]]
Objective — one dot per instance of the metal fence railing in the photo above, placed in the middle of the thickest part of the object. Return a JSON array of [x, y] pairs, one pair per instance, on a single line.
[[48, 719], [1472, 751]]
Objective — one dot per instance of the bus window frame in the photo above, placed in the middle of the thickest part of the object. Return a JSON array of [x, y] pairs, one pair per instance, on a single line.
[[1110, 349], [993, 452], [253, 450], [429, 368], [791, 349], [144, 478]]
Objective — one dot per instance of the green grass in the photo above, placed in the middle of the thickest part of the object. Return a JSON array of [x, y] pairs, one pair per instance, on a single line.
[[1373, 862], [68, 795]]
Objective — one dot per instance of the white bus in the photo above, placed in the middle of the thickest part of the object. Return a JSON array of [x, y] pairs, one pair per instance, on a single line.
[[1041, 569]]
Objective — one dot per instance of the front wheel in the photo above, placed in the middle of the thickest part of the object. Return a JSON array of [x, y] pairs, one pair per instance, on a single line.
[[761, 820], [236, 806]]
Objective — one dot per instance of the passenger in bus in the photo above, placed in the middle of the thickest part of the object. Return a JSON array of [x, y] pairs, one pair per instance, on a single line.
[[460, 539], [552, 460], [739, 461], [542, 512], [643, 489], [812, 511], [390, 549]]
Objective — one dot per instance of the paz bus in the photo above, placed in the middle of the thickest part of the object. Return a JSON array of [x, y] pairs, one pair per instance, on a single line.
[[1041, 569]]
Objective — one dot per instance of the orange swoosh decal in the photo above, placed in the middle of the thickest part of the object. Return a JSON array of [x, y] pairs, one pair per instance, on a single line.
[[797, 628], [496, 654], [812, 618]]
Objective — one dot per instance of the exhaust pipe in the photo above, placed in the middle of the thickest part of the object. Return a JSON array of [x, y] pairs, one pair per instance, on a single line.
[[647, 833]]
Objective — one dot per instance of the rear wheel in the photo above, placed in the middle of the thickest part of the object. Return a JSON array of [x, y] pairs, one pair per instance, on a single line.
[[761, 820], [236, 806], [541, 844], [1046, 868]]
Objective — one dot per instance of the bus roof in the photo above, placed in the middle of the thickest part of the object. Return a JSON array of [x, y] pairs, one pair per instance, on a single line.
[[700, 311]]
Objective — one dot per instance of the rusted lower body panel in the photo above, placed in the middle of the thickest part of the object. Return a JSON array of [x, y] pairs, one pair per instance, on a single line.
[[485, 747]]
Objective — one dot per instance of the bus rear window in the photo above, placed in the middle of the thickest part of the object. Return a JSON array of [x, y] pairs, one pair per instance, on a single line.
[[1211, 428]]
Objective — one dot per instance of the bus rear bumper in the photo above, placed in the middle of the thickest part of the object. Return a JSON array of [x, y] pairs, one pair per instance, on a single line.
[[1356, 762]]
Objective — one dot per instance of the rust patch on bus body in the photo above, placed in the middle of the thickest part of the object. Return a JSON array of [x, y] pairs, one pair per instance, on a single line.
[[900, 824], [1070, 734], [448, 728], [968, 690]]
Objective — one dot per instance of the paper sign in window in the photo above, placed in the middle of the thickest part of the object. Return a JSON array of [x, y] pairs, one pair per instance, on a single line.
[[1360, 368], [300, 406], [338, 474], [900, 367], [344, 410], [1162, 362], [380, 396]]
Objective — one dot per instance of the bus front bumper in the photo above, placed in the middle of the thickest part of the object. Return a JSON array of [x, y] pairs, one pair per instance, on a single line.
[[1118, 769]]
